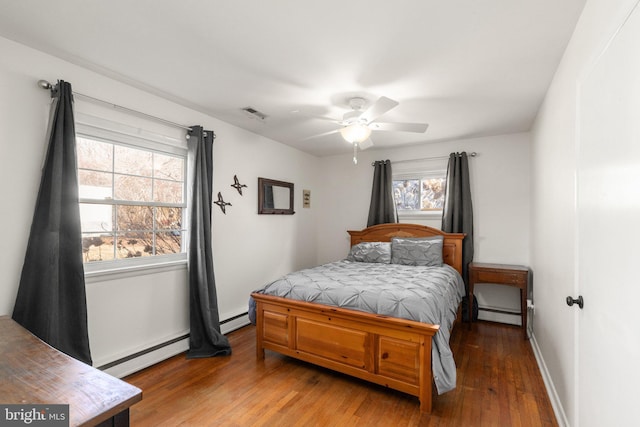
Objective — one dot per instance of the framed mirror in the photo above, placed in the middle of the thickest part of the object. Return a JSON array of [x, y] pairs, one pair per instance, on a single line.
[[275, 197]]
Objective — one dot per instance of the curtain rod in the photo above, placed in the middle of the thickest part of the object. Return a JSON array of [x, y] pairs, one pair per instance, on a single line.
[[472, 154], [46, 85]]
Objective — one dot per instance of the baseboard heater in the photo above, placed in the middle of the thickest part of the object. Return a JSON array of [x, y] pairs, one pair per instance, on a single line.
[[142, 353], [494, 314], [226, 326]]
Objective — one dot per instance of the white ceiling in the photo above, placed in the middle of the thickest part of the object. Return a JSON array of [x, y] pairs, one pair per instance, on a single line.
[[469, 68]]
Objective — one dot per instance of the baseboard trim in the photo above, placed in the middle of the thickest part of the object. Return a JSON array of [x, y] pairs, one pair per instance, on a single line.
[[561, 416], [143, 359]]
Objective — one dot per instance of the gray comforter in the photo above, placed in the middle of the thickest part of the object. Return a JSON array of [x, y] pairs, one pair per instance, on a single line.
[[424, 294]]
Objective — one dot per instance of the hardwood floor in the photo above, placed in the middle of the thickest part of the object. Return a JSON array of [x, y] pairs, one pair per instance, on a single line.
[[499, 384]]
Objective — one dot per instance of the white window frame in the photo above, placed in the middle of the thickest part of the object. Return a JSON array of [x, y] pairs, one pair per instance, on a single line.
[[419, 214], [115, 133]]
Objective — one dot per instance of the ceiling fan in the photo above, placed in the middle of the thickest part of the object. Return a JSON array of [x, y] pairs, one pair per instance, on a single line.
[[356, 125]]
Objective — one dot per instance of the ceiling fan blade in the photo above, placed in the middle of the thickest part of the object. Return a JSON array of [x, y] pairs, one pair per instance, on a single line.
[[381, 106], [321, 134], [324, 118], [402, 127], [367, 143]]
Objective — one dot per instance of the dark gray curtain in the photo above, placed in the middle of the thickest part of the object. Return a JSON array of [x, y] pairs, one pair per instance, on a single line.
[[51, 300], [457, 214], [205, 339], [383, 208]]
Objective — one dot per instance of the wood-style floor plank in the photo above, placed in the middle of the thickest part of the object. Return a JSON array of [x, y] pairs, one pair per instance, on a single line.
[[499, 384]]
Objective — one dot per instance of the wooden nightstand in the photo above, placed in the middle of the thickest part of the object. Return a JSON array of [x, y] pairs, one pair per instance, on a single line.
[[501, 274]]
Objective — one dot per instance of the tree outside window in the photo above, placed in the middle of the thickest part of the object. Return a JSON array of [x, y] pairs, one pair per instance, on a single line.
[[419, 194], [132, 201]]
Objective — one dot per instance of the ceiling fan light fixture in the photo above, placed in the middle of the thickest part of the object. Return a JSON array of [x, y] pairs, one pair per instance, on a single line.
[[355, 133]]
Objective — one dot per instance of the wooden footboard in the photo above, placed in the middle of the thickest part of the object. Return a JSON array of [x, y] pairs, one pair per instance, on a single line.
[[392, 352]]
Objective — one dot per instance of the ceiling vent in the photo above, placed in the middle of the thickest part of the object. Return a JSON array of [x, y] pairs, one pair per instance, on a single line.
[[252, 113]]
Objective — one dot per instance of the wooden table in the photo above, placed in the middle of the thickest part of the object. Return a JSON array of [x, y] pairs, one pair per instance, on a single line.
[[501, 274], [32, 372]]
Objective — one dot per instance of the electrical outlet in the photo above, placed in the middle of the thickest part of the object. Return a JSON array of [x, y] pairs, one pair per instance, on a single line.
[[530, 305]]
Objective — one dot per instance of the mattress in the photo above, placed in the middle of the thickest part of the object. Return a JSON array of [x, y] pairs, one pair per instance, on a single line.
[[423, 294]]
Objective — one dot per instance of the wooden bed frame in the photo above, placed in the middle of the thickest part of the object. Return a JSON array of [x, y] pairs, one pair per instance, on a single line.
[[392, 352]]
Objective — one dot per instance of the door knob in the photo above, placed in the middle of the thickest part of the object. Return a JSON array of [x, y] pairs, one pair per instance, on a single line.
[[579, 301]]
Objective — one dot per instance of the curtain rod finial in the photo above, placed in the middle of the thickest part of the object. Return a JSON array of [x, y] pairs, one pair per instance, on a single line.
[[45, 84]]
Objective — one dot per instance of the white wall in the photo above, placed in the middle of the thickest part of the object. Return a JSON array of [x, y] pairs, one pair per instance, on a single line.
[[500, 195], [553, 214], [130, 313]]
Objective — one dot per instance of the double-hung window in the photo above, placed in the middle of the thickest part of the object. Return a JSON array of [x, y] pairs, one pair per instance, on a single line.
[[419, 194], [132, 199]]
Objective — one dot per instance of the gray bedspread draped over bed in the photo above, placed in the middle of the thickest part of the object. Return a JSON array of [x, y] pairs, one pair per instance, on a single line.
[[424, 294]]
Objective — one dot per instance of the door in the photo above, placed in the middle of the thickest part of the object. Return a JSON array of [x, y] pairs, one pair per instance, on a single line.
[[608, 233]]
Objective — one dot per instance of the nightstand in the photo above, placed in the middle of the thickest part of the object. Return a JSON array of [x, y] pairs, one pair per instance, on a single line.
[[501, 274]]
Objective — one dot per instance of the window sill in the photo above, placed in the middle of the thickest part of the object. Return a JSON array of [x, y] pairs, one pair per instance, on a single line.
[[120, 270], [421, 215]]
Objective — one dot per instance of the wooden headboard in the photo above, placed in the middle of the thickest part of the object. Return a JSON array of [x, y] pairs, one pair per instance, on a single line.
[[451, 250]]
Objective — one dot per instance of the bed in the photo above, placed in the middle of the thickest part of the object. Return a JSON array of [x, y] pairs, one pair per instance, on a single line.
[[390, 350]]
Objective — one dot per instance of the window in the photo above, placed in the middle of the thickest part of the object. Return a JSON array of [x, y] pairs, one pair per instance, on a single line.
[[132, 200], [419, 194]]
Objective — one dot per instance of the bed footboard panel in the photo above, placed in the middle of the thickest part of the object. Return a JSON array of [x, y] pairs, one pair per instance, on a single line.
[[392, 352]]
